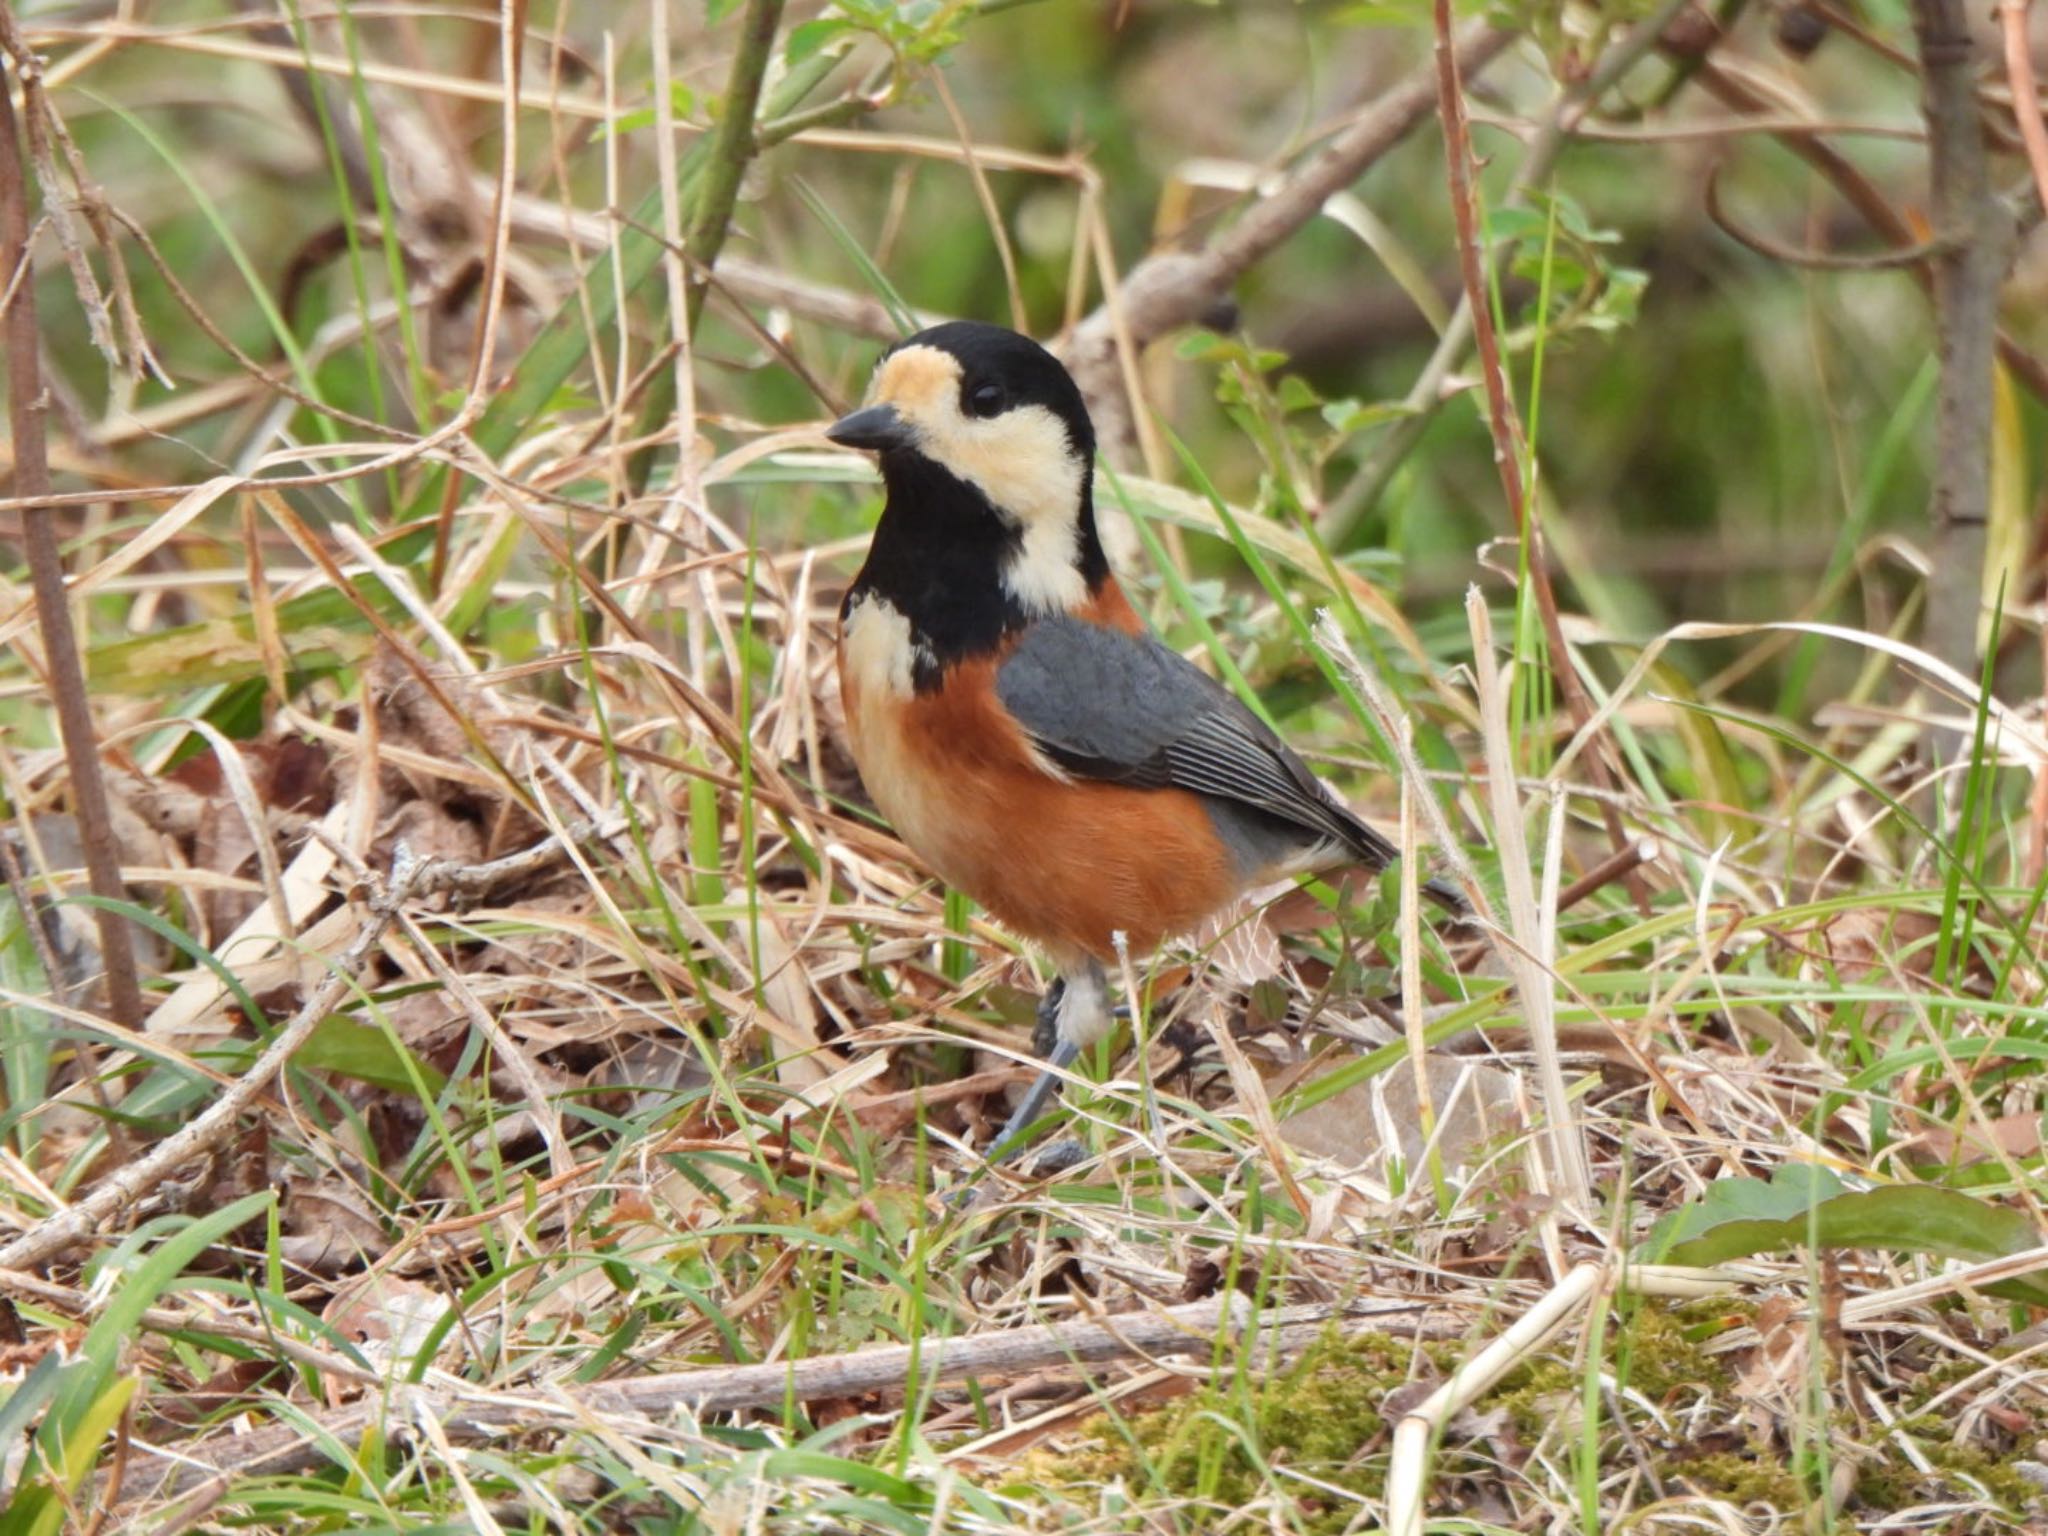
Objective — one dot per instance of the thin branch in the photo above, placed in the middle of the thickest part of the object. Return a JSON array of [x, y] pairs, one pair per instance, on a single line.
[[1171, 289], [25, 408], [1428, 392], [473, 1415], [1510, 445], [1862, 194], [732, 149], [2026, 93], [1968, 214], [1890, 260]]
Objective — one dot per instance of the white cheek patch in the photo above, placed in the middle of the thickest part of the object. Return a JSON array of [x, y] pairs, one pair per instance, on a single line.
[[1045, 575], [1022, 462]]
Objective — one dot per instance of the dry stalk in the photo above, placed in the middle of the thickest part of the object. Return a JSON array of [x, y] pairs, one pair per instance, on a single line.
[[1529, 960], [128, 1183], [25, 407], [484, 343], [1408, 1472]]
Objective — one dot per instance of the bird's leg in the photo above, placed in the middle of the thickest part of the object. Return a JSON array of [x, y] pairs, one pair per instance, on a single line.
[[1074, 1014], [1046, 1034]]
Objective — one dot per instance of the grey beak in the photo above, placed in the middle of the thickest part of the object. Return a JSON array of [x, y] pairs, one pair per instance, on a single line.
[[876, 427]]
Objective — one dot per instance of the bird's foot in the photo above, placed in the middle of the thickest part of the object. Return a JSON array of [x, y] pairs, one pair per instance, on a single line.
[[1009, 1140]]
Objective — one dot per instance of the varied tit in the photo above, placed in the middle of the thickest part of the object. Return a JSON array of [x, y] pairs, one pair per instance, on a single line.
[[1011, 715]]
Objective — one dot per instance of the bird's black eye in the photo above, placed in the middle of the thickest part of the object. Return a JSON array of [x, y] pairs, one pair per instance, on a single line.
[[985, 400]]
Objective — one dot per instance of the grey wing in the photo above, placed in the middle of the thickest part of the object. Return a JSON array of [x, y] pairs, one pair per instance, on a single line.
[[1103, 704]]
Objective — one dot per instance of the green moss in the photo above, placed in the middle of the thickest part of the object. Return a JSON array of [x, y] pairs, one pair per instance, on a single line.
[[1661, 1351], [1537, 1397], [1993, 1473], [1324, 1417], [1742, 1477], [1889, 1481], [1320, 1417]]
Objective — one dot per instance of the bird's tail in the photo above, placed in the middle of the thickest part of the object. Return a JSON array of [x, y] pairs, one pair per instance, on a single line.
[[1373, 850]]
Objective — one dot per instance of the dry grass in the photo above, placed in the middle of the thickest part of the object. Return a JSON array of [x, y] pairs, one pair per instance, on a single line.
[[474, 730]]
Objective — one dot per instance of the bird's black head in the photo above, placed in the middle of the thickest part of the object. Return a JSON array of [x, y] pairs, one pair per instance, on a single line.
[[986, 446], [968, 388]]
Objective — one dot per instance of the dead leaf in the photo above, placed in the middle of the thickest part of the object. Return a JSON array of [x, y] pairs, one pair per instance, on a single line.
[[390, 1316], [1359, 1126], [2012, 1136], [1871, 944], [328, 1226], [1771, 1377]]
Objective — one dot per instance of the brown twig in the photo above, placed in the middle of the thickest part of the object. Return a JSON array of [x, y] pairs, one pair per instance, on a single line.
[[1170, 289], [1616, 866], [46, 567], [2026, 94], [1818, 261], [1427, 395], [1967, 214], [1510, 446], [1862, 194]]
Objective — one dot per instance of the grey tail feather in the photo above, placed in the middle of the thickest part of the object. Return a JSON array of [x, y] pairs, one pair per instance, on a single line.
[[1439, 889], [1376, 853]]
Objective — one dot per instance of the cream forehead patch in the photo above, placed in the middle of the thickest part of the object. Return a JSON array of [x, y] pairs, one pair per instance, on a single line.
[[918, 380]]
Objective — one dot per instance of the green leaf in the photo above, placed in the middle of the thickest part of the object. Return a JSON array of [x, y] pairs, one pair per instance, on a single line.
[[806, 38], [88, 1399], [367, 1053], [1348, 416], [1297, 394], [320, 629], [1805, 1205], [19, 1408]]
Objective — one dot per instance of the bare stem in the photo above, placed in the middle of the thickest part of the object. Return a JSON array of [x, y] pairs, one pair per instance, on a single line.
[[25, 406], [1170, 289], [1427, 395], [732, 149], [1976, 232], [1510, 445]]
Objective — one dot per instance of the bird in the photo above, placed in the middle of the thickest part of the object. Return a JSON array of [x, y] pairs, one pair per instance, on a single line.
[[1015, 720]]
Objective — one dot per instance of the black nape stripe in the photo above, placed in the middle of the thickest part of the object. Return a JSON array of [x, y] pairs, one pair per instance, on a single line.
[[1093, 562]]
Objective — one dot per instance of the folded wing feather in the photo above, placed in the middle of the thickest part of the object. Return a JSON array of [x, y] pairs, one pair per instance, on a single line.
[[1107, 705]]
